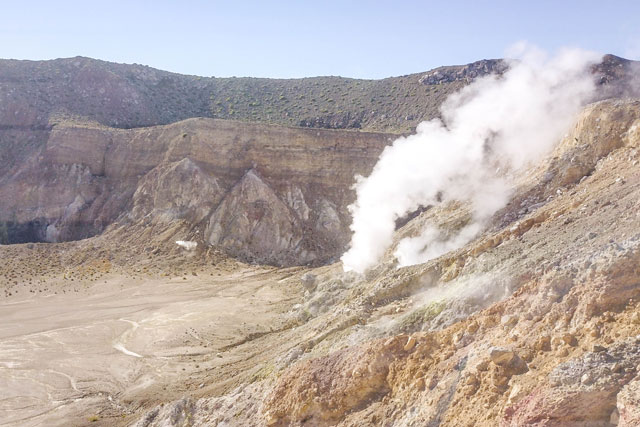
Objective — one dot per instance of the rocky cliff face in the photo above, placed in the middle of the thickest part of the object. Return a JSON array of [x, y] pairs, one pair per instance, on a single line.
[[264, 193]]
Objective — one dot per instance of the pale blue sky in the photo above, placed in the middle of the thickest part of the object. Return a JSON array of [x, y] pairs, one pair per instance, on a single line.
[[366, 39]]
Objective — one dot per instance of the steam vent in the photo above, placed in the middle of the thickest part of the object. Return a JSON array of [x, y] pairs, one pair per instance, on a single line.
[[454, 247]]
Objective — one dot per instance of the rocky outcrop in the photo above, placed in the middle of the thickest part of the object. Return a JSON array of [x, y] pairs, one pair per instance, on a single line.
[[466, 73], [618, 77], [628, 404], [602, 127], [253, 223], [176, 191], [583, 390], [321, 391]]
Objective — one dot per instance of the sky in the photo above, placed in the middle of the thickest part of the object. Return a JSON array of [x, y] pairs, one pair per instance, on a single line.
[[284, 39]]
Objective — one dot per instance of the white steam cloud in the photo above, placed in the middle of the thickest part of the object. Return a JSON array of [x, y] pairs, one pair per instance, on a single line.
[[496, 122]]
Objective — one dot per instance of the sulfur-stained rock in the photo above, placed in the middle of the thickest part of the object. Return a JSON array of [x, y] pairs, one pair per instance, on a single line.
[[543, 343], [628, 404], [411, 343], [508, 360], [432, 382], [581, 390], [515, 394], [501, 356], [570, 340], [322, 390], [473, 327]]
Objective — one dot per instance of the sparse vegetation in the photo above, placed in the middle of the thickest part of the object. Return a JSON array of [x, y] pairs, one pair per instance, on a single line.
[[414, 321], [162, 97]]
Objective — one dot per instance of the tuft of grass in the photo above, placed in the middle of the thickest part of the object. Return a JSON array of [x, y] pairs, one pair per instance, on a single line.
[[414, 321], [264, 372]]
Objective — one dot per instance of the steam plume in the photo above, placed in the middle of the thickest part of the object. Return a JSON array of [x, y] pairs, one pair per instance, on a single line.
[[503, 121]]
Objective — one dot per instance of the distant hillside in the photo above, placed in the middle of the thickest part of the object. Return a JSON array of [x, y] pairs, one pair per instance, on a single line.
[[126, 96]]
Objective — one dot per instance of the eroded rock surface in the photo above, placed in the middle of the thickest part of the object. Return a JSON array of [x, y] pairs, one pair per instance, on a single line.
[[179, 190], [581, 390], [267, 194], [253, 223]]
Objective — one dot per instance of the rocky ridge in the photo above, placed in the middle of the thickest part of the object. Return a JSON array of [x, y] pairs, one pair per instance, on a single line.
[[133, 95], [32, 93]]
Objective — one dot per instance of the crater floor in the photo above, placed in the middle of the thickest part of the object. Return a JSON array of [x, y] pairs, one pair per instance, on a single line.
[[65, 357]]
